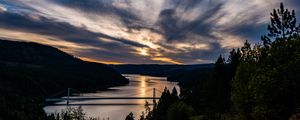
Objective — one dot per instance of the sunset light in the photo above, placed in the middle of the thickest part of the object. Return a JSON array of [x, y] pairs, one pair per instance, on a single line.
[[149, 60]]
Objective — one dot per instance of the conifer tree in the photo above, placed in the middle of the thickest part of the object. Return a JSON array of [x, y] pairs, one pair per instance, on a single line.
[[129, 116], [283, 26]]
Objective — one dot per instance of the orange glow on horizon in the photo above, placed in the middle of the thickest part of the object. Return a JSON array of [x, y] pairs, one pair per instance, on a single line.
[[99, 61], [164, 59]]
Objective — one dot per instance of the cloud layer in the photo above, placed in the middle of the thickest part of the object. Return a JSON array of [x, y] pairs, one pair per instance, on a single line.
[[136, 32]]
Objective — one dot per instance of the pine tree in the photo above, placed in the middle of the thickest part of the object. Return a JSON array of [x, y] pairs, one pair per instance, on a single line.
[[283, 26], [220, 61], [246, 52], [129, 116], [174, 94], [234, 60]]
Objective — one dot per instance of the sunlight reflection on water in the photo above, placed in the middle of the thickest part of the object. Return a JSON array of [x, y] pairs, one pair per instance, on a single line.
[[139, 86]]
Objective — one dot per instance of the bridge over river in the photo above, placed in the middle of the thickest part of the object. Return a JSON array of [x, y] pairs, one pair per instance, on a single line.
[[69, 99], [116, 102]]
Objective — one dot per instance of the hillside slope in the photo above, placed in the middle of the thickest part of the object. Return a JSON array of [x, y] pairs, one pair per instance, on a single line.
[[31, 72]]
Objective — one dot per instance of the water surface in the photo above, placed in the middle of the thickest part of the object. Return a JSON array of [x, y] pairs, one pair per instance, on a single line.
[[139, 86]]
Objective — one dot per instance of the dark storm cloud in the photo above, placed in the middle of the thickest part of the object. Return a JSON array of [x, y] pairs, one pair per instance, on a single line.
[[101, 7], [117, 54], [183, 4], [169, 22], [45, 26], [176, 29], [251, 32], [212, 22], [40, 25], [208, 55]]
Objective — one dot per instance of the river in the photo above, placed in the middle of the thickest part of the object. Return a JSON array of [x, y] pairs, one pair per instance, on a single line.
[[139, 86]]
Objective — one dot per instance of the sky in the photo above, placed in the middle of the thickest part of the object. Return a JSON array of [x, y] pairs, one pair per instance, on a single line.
[[139, 31]]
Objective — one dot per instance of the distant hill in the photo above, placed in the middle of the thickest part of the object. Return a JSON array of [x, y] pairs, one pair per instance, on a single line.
[[34, 54], [31, 72], [173, 72], [58, 64]]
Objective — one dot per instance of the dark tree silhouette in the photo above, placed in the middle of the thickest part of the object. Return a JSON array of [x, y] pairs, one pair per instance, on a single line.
[[174, 94], [265, 88], [234, 60], [179, 111], [283, 26], [220, 60], [129, 116]]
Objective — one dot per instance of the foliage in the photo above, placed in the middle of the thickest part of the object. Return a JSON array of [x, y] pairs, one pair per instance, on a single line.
[[70, 113], [179, 111], [283, 26], [267, 88], [160, 110]]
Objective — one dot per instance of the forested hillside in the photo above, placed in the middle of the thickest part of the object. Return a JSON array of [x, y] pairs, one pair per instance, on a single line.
[[31, 72], [170, 71]]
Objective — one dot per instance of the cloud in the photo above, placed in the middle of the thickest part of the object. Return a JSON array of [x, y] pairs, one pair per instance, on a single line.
[[146, 31], [167, 60], [50, 31], [45, 26], [2, 8], [177, 28], [104, 7]]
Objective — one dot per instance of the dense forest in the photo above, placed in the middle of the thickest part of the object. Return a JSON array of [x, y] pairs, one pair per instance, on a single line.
[[160, 70], [256, 82], [31, 72]]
